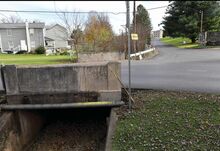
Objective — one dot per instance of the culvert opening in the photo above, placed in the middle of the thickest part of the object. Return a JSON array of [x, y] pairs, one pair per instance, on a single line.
[[72, 130]]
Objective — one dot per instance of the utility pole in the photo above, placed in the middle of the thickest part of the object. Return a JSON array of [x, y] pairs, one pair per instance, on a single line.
[[129, 50], [201, 36], [201, 21], [134, 25]]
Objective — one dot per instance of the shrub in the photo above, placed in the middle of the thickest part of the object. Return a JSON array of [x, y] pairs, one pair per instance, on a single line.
[[65, 52], [40, 50]]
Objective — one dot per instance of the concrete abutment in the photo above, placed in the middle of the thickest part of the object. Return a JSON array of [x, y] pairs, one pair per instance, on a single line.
[[89, 89]]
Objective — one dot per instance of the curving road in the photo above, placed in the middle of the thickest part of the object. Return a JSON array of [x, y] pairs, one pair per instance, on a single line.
[[195, 70]]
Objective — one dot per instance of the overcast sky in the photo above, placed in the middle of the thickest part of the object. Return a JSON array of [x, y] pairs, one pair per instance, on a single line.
[[106, 6]]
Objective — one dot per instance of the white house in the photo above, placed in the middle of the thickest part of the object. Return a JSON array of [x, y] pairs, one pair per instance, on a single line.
[[158, 34], [25, 36], [56, 37]]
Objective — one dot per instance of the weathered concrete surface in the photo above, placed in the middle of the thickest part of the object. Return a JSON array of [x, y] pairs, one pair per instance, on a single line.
[[2, 89], [100, 56], [110, 95], [6, 124], [19, 129], [10, 79], [49, 82], [49, 98], [111, 130], [47, 79]]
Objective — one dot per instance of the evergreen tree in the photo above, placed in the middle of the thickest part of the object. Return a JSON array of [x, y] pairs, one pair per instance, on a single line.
[[143, 25], [184, 18]]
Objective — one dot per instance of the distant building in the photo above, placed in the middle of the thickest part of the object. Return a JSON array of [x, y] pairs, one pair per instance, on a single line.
[[21, 36], [56, 37], [211, 38], [157, 34]]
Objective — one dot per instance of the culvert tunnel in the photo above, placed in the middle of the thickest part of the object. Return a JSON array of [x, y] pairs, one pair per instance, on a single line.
[[64, 107]]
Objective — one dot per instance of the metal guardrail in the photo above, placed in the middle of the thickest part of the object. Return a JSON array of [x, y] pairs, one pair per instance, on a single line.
[[141, 53], [60, 106]]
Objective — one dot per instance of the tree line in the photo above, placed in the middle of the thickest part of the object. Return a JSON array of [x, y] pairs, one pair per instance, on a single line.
[[188, 18], [94, 31]]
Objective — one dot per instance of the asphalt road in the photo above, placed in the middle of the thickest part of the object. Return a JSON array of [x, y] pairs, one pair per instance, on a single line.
[[196, 70]]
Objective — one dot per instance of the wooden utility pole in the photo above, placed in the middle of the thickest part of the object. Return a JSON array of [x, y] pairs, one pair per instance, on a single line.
[[201, 36], [129, 50], [134, 25], [201, 21]]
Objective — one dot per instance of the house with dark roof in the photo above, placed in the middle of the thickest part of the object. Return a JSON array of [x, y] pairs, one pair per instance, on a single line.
[[21, 36]]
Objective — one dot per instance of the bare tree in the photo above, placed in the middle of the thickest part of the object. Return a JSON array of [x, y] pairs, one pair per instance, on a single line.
[[73, 23], [11, 19]]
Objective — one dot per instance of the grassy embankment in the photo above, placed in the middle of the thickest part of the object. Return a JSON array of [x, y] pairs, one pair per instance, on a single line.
[[169, 121], [34, 59], [178, 42]]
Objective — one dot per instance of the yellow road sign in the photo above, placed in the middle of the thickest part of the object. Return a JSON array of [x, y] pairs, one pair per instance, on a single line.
[[134, 36]]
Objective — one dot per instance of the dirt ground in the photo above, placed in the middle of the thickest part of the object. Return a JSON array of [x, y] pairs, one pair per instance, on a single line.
[[86, 133]]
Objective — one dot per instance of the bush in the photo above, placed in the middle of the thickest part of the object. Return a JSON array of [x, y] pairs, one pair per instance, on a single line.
[[40, 50], [65, 52]]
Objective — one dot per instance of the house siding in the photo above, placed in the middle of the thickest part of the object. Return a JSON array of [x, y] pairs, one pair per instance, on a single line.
[[19, 33], [59, 35], [37, 38], [16, 37]]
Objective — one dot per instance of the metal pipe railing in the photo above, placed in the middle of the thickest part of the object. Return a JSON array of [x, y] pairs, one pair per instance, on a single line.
[[59, 106]]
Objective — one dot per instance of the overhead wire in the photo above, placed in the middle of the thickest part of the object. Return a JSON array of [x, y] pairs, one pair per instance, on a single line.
[[47, 11]]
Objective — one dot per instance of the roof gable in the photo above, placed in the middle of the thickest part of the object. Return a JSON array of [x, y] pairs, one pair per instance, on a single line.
[[22, 25], [58, 25]]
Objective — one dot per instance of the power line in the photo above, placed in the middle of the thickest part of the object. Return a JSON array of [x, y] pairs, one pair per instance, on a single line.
[[156, 8], [41, 11], [83, 12]]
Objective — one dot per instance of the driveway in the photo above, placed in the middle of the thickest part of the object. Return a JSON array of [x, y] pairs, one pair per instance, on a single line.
[[195, 70]]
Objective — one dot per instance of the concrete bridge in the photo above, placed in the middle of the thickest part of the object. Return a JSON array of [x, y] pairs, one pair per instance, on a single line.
[[30, 89]]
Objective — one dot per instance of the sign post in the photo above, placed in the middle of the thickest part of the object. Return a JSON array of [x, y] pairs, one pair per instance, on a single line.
[[134, 36]]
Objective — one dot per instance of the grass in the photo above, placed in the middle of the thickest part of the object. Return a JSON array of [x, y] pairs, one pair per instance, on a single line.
[[178, 42], [33, 59], [170, 121]]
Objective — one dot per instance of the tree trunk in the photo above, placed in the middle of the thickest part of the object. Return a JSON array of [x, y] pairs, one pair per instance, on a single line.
[[77, 56], [193, 40]]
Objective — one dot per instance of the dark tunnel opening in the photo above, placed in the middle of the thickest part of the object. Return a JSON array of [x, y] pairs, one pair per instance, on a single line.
[[72, 130]]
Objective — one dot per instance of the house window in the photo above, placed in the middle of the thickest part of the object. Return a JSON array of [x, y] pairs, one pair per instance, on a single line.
[[31, 31], [32, 44], [10, 44], [9, 32]]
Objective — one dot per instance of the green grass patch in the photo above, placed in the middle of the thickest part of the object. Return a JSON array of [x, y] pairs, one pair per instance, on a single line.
[[34, 59], [178, 42], [170, 121]]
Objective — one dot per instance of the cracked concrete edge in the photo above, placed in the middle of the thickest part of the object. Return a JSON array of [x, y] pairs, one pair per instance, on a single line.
[[111, 129]]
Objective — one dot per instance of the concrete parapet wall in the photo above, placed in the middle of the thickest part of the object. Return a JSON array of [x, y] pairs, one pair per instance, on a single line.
[[57, 79], [100, 56], [2, 88], [19, 129]]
